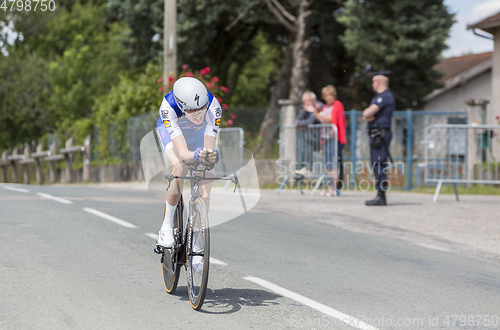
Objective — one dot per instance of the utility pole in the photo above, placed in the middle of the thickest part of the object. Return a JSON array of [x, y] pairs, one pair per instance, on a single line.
[[169, 40]]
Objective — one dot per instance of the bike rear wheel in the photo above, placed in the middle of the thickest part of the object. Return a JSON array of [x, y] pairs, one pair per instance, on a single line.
[[171, 260], [198, 254]]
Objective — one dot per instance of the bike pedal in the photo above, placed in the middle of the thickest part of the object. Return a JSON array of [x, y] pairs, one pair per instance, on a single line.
[[158, 249]]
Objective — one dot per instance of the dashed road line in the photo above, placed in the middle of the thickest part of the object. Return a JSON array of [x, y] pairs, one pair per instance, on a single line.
[[15, 189], [110, 218], [347, 319], [57, 199], [217, 262]]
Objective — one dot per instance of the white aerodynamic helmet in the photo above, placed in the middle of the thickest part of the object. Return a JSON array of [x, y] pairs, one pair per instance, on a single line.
[[190, 94]]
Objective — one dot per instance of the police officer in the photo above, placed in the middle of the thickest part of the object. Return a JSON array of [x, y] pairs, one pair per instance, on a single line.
[[378, 116]]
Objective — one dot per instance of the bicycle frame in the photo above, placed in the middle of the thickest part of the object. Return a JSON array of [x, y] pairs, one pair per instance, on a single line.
[[194, 181]]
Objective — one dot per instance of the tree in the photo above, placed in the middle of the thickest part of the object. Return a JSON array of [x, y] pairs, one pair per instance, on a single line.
[[329, 61], [295, 25], [202, 37], [53, 74], [144, 19], [23, 100], [403, 36]]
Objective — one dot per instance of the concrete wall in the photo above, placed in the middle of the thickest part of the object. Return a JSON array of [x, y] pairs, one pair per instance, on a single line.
[[454, 99]]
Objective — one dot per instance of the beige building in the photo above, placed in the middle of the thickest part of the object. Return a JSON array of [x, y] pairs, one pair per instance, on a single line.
[[492, 25], [464, 78], [469, 77]]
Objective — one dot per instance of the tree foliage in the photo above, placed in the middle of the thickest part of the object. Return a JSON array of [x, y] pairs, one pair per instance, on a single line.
[[144, 19], [404, 36], [23, 100]]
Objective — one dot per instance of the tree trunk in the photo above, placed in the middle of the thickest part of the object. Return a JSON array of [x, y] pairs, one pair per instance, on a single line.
[[292, 77], [301, 45], [269, 126]]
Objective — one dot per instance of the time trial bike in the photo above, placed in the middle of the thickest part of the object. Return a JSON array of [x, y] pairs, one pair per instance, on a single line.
[[191, 236]]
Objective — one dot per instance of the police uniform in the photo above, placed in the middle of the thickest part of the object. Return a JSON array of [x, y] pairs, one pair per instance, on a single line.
[[380, 134]]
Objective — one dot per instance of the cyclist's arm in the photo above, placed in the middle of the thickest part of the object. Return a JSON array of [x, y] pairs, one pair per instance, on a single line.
[[210, 145], [180, 144]]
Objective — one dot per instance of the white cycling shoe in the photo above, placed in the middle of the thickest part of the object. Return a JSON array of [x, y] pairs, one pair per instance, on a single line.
[[197, 260], [166, 236]]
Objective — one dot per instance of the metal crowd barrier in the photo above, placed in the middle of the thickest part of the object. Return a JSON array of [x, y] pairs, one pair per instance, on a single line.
[[467, 154], [230, 144], [302, 154]]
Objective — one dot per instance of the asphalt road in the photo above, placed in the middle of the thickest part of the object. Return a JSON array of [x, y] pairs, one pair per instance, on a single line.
[[64, 267]]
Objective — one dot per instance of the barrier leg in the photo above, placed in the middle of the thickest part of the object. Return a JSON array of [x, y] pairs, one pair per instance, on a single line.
[[438, 189], [316, 186], [285, 179], [456, 191]]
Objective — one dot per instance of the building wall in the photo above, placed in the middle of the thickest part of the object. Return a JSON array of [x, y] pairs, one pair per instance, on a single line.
[[454, 99], [495, 80]]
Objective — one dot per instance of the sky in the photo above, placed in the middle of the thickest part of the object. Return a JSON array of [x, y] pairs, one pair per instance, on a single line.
[[468, 12]]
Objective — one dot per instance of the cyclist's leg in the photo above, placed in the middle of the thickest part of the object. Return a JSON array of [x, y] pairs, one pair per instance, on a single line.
[[178, 169], [166, 238], [206, 189]]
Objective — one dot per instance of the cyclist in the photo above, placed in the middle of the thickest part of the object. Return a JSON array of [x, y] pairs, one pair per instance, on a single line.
[[187, 128]]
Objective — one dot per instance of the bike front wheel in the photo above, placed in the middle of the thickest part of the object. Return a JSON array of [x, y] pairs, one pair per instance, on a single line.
[[198, 254], [171, 264]]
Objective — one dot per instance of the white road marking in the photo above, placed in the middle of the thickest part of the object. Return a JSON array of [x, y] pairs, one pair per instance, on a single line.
[[347, 319], [212, 260], [109, 217], [217, 262], [15, 189], [153, 236], [57, 199]]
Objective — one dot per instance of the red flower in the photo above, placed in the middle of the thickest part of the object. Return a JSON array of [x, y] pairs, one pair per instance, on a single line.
[[185, 67], [160, 89], [225, 106], [224, 89], [229, 122], [159, 80], [209, 85], [215, 79], [170, 79], [233, 116], [205, 71], [498, 117], [189, 74]]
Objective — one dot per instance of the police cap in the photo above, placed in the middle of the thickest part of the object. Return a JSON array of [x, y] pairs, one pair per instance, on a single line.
[[382, 73]]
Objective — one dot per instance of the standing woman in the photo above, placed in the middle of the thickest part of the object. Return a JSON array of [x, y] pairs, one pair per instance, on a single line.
[[332, 113]]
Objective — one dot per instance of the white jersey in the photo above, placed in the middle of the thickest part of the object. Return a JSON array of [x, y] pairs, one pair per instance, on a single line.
[[176, 122]]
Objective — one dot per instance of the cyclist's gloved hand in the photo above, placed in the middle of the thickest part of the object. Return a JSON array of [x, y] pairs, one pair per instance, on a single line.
[[212, 156], [217, 156], [197, 154]]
